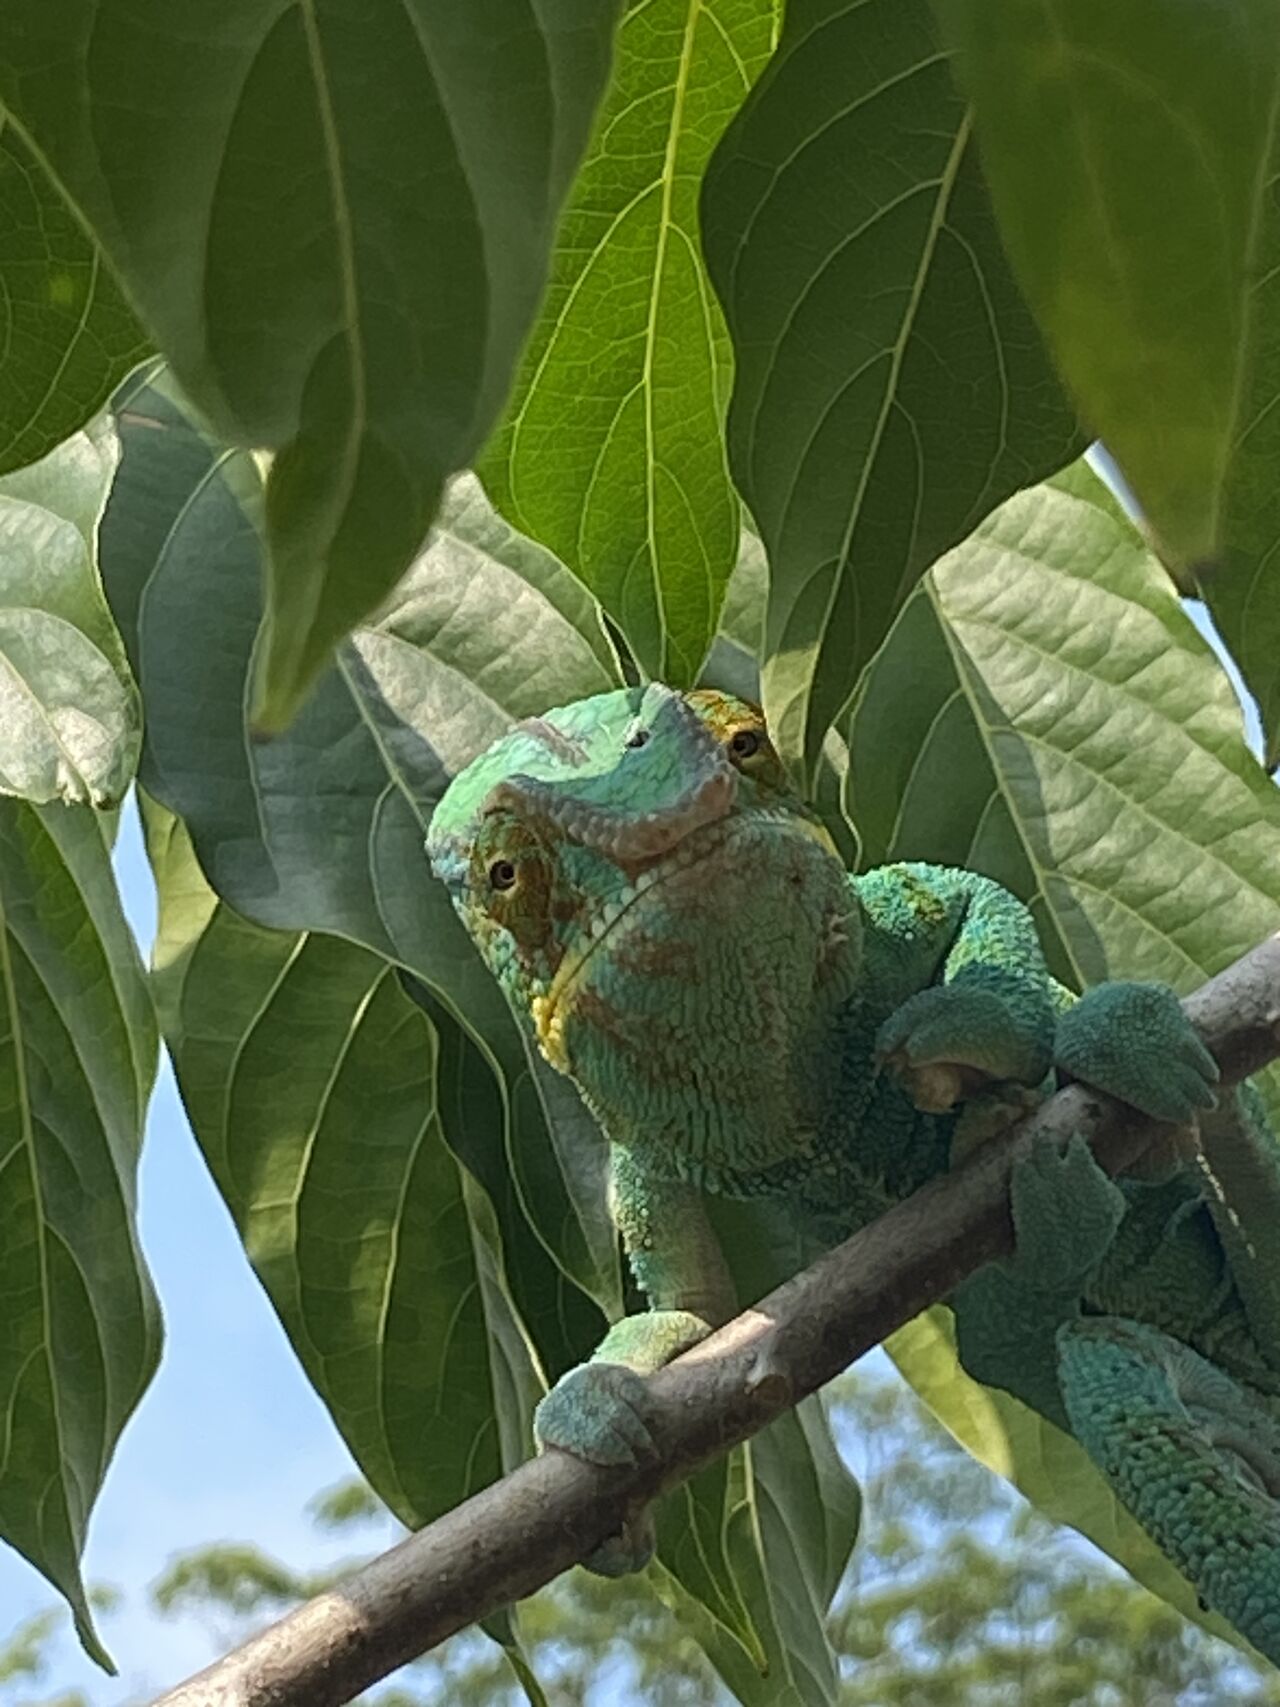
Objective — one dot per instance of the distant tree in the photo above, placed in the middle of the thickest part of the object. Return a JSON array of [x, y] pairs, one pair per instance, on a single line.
[[960, 1594]]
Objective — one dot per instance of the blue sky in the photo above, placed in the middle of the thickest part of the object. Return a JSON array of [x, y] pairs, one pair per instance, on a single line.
[[230, 1442]]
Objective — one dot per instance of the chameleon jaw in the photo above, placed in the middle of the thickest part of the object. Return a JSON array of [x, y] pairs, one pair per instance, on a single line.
[[549, 1009]]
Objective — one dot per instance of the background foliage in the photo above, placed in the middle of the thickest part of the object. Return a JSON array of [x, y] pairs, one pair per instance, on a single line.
[[959, 1592], [775, 336]]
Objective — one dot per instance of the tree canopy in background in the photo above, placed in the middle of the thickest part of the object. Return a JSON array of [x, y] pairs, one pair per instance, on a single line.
[[958, 1592], [774, 340]]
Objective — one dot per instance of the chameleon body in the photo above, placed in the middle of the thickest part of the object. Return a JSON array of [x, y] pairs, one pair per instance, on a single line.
[[746, 1018]]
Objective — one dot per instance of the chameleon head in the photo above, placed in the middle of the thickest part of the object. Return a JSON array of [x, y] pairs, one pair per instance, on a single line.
[[651, 895]]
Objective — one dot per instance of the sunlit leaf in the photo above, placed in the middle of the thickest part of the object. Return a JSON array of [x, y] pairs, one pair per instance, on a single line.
[[70, 721], [612, 450]]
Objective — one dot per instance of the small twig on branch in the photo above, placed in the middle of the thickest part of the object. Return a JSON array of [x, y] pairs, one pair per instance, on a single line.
[[518, 1534]]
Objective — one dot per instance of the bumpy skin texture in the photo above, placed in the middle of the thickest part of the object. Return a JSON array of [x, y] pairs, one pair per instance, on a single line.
[[744, 1017]]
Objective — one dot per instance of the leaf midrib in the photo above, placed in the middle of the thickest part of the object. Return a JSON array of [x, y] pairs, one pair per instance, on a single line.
[[667, 179]]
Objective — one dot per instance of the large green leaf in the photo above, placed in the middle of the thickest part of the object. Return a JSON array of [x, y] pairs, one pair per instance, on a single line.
[[80, 1333], [67, 337], [1070, 733], [1132, 152], [774, 1532], [336, 224], [311, 1081], [70, 721], [612, 450], [891, 387], [322, 828]]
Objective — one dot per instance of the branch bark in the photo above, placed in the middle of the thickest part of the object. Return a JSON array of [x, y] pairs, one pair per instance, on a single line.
[[518, 1534]]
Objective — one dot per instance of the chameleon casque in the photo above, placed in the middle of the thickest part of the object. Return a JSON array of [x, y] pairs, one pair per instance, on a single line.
[[744, 1017]]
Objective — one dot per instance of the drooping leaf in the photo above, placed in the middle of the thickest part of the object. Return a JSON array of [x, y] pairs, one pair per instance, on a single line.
[[612, 449], [70, 721], [80, 1332], [891, 387], [774, 1530], [311, 1082], [1070, 733], [67, 336], [1132, 153], [339, 244], [322, 828]]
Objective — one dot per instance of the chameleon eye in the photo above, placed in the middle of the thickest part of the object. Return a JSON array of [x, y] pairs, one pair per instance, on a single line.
[[745, 744], [502, 874], [637, 738]]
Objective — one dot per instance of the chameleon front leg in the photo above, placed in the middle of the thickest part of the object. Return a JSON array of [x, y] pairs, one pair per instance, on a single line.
[[1192, 1455], [1008, 1315], [598, 1410], [961, 958], [1135, 1041]]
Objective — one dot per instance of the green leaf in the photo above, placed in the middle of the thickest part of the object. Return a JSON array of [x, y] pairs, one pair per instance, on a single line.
[[310, 1080], [1132, 153], [891, 387], [322, 828], [774, 1535], [612, 450], [1071, 734], [67, 335], [81, 1332], [339, 243], [70, 720]]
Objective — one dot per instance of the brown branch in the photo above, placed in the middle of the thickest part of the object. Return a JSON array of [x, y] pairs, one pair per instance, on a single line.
[[524, 1530]]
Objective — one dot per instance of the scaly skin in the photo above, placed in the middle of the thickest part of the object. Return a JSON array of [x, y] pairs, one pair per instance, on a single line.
[[744, 1017]]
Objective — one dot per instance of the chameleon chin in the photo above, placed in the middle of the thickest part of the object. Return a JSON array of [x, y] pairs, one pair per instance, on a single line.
[[746, 1018]]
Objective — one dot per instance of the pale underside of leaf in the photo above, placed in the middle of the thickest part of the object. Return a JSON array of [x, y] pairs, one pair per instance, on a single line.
[[70, 719], [890, 386]]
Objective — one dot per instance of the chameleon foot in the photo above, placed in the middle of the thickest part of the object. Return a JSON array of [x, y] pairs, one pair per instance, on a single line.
[[1135, 1042], [597, 1412], [945, 1043]]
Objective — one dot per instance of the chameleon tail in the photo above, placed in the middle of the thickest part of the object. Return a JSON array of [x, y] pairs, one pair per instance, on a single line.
[[1192, 1456]]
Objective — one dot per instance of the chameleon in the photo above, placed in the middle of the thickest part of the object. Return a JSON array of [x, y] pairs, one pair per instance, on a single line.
[[747, 1019]]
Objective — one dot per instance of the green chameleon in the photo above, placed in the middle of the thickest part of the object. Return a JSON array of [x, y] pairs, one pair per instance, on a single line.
[[744, 1017]]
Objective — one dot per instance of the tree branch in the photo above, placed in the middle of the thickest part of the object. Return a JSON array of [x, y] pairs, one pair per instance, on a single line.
[[518, 1534]]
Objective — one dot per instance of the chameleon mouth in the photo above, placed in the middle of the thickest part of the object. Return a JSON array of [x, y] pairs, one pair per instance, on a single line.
[[700, 845]]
